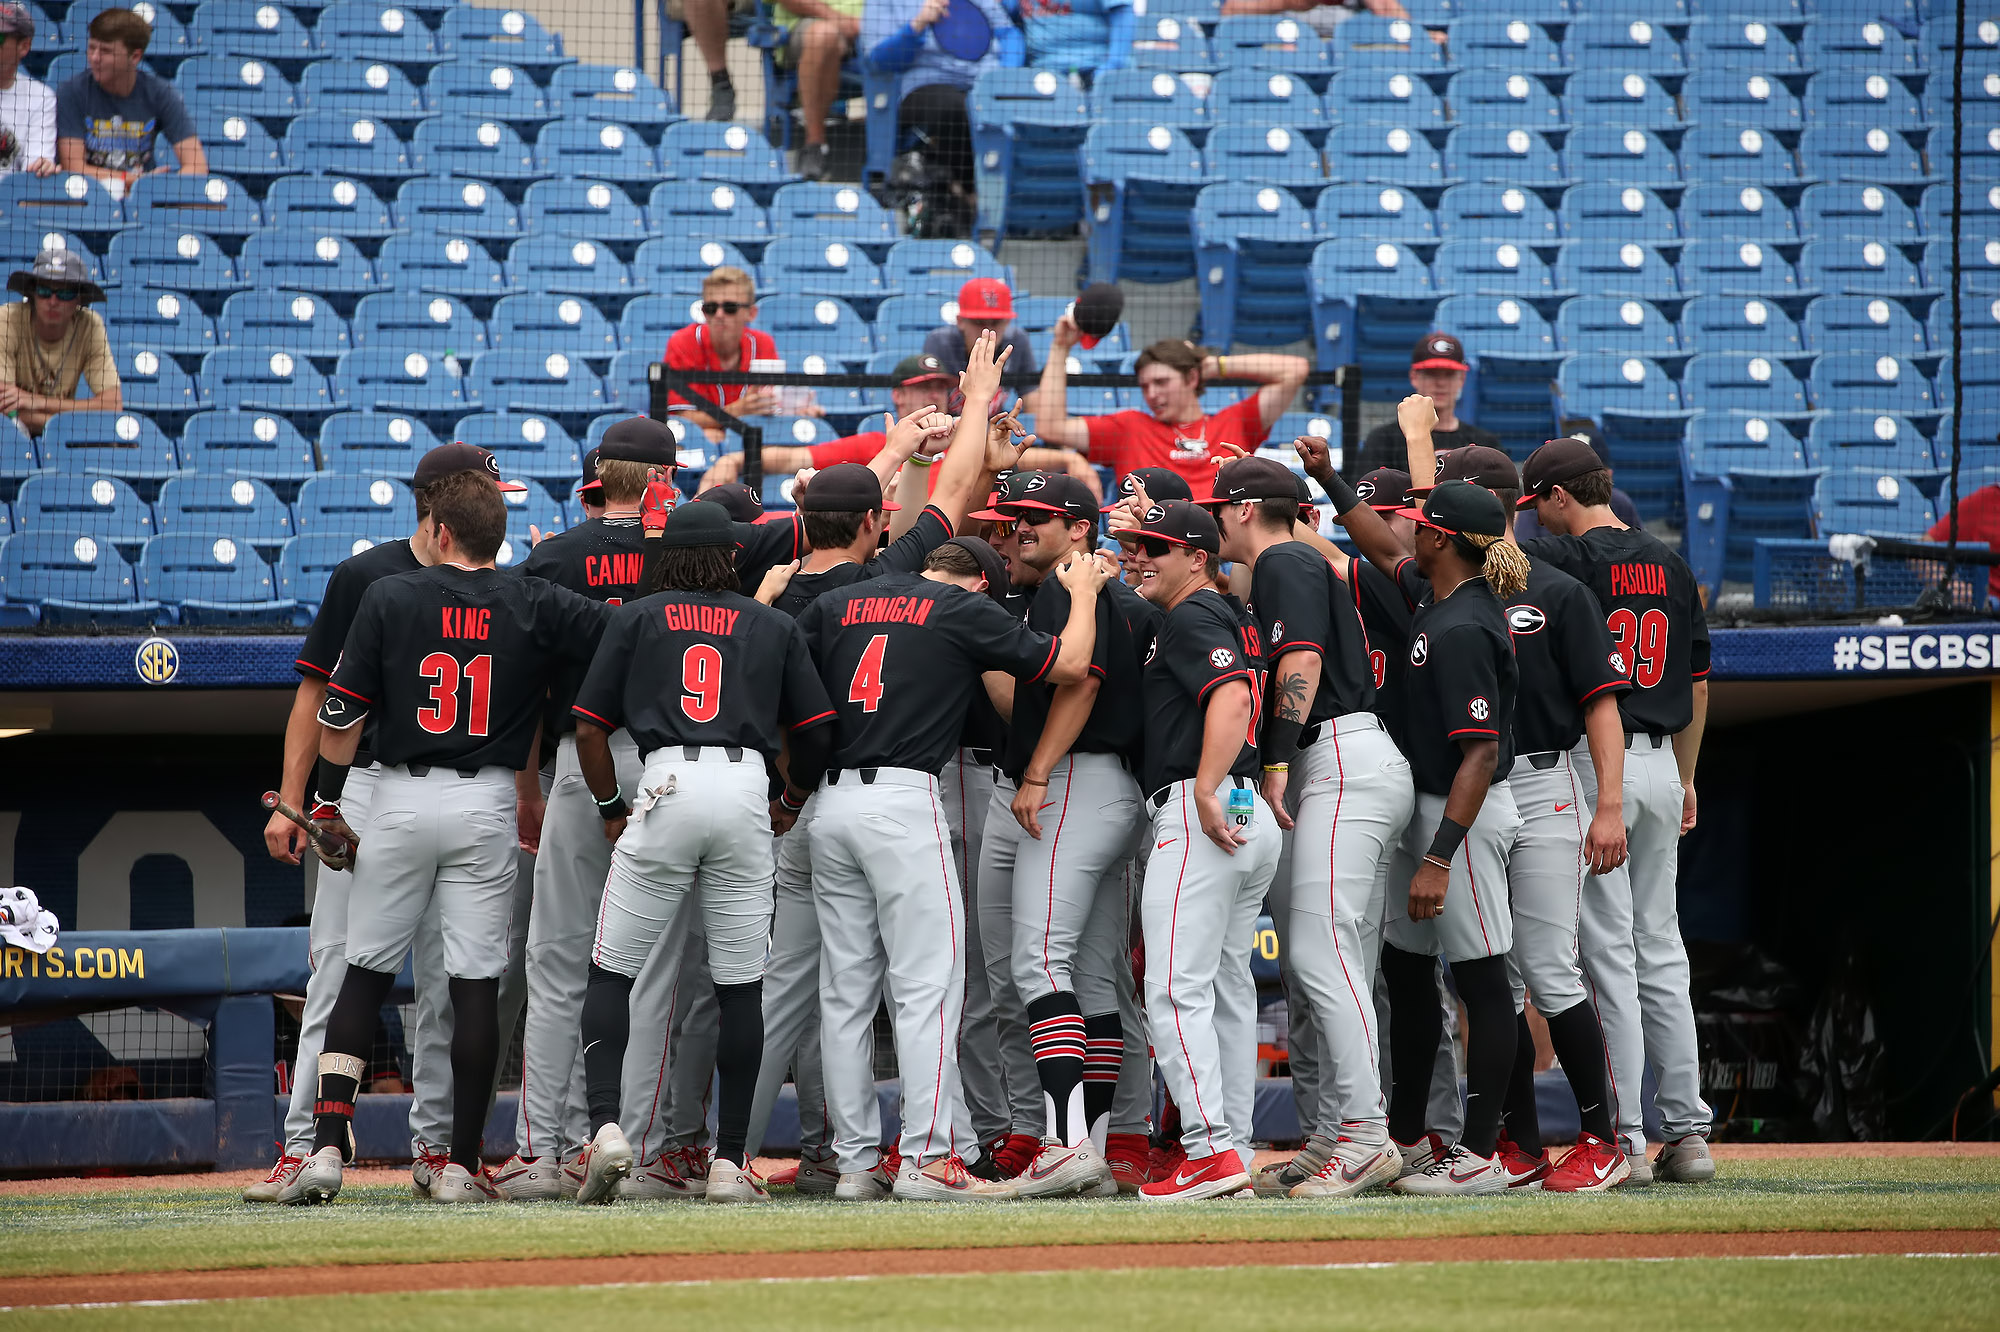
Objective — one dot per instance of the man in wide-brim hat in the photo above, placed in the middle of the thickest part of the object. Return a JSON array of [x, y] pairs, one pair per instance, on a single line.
[[49, 343]]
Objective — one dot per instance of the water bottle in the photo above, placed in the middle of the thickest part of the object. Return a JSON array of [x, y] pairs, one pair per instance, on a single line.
[[1242, 805]]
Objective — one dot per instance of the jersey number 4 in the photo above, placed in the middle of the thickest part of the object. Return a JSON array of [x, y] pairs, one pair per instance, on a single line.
[[866, 688], [1643, 640], [441, 713]]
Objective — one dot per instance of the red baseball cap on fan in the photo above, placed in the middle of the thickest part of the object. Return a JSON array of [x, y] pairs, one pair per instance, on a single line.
[[985, 298]]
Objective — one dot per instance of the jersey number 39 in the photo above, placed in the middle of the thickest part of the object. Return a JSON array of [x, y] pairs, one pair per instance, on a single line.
[[1643, 640], [441, 713]]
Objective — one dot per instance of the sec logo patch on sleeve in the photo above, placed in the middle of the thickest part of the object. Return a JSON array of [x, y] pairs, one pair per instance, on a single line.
[[1617, 660], [1420, 650], [1277, 632], [1480, 709], [1221, 657]]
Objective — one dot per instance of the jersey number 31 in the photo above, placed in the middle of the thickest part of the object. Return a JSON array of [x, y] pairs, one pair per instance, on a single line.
[[441, 713]]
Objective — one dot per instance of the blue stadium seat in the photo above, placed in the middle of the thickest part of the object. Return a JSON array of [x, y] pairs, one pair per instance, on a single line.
[[1872, 441], [99, 506], [1374, 212], [441, 324], [264, 379], [151, 382], [1026, 127], [1617, 212], [1736, 382], [832, 268], [396, 379], [489, 150], [209, 205], [1741, 212], [1151, 175], [180, 260], [1871, 504], [1854, 42], [705, 209], [1979, 326], [300, 323], [1748, 479], [374, 444], [251, 28], [1609, 324], [601, 149], [350, 144], [1622, 43], [1278, 43], [21, 241], [1857, 267], [822, 324], [795, 431], [331, 266], [238, 147], [72, 579], [527, 444], [530, 381], [1371, 301], [370, 30], [1979, 140], [240, 506], [1383, 96], [1863, 323], [1505, 97], [1638, 407], [1495, 268], [68, 201], [1978, 263], [1848, 208], [1736, 267], [494, 34], [552, 323], [1265, 155], [474, 86], [1876, 154], [1620, 97], [1369, 41], [1147, 97], [904, 321], [1607, 153], [1514, 357], [121, 444], [1508, 43], [697, 150], [1719, 323], [1166, 43], [1870, 381], [327, 204], [372, 88], [1862, 97], [163, 319], [1616, 268], [1385, 155], [1737, 153], [207, 578], [379, 508], [584, 209], [844, 213], [628, 385], [447, 265], [239, 85], [1262, 97], [1509, 155], [1741, 97], [565, 267], [1250, 243], [533, 507], [1744, 38], [309, 561], [263, 445], [611, 92], [675, 266], [445, 206]]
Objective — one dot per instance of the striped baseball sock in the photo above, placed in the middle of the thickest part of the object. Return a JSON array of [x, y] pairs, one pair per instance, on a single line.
[[1056, 1031], [1103, 1052]]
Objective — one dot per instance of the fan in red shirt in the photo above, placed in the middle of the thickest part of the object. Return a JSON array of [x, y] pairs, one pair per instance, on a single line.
[[724, 341], [1173, 431], [1978, 520]]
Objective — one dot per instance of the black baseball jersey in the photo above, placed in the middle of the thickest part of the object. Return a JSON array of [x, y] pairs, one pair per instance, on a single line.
[[1386, 617], [1565, 658], [1461, 682], [1654, 612], [320, 653], [453, 663], [605, 559], [1117, 719], [693, 668], [985, 729], [905, 555], [1299, 602], [1205, 642], [901, 658], [759, 546]]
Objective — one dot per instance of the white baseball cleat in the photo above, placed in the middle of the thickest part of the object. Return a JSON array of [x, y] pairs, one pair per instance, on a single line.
[[272, 1187], [1278, 1181], [529, 1179], [1458, 1173], [1057, 1170], [871, 1185], [606, 1160], [817, 1175], [1422, 1154], [660, 1178], [731, 1183], [319, 1178], [1684, 1161], [459, 1185], [426, 1168], [1352, 1167], [947, 1180]]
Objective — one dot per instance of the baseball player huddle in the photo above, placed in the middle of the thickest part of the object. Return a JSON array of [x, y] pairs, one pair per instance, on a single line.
[[1031, 798]]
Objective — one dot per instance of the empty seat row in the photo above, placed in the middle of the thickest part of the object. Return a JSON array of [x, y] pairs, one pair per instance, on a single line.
[[364, 28]]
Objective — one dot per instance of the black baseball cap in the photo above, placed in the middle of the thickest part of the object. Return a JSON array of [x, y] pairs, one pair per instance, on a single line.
[[744, 504], [1438, 351], [1182, 522], [1253, 478], [1460, 508], [1010, 489], [1556, 463], [1053, 492], [916, 369], [640, 439], [990, 564], [1480, 465], [1097, 312], [699, 523], [845, 488], [1161, 483], [590, 481], [1385, 490], [446, 459]]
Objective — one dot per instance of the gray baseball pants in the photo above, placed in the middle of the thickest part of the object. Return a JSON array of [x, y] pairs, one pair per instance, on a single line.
[[999, 848], [791, 997]]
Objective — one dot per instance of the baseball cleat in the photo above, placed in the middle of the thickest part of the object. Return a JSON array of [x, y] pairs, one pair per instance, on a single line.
[[817, 1175], [1641, 1176], [1130, 1157], [1166, 1160], [1422, 1154], [1592, 1166], [1352, 1167], [864, 1185], [660, 1177], [426, 1167], [1013, 1153], [319, 1178], [272, 1187], [529, 1179], [1057, 1170], [731, 1183], [1216, 1175], [1685, 1161], [571, 1177], [1524, 1172], [606, 1160], [1278, 1181], [946, 1180], [1458, 1173], [459, 1185]]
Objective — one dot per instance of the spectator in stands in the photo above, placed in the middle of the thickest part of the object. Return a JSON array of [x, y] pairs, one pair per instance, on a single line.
[[27, 107], [902, 37], [1437, 369], [823, 35], [1173, 431], [724, 340], [1527, 526], [1978, 520], [108, 116], [49, 342], [983, 303], [708, 23], [1076, 36], [1323, 16]]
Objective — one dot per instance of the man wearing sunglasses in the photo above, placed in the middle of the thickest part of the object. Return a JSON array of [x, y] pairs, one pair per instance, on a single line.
[[49, 344], [723, 340]]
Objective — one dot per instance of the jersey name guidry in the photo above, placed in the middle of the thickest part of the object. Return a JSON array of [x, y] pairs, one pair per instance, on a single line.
[[1638, 580]]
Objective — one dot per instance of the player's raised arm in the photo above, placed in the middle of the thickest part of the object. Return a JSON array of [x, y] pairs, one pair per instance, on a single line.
[[1082, 577], [1052, 419]]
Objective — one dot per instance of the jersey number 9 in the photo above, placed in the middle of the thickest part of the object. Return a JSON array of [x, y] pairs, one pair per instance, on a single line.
[[1643, 640], [701, 682], [441, 713]]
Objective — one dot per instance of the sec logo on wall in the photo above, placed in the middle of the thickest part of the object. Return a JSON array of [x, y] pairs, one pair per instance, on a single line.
[[157, 661]]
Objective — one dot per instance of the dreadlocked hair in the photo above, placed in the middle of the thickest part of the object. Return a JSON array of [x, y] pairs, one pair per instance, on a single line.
[[694, 569], [1501, 562]]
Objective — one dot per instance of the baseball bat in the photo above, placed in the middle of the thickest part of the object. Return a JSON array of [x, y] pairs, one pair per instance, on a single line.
[[330, 848]]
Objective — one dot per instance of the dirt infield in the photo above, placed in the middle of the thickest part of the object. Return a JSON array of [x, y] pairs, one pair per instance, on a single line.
[[797, 1266]]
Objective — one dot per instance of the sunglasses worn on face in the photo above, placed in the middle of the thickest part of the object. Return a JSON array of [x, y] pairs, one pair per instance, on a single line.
[[726, 307], [1035, 518], [1154, 546], [58, 293]]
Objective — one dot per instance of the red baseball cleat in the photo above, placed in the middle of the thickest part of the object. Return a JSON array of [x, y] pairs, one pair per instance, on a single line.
[[1592, 1166], [1524, 1172], [1131, 1157], [1012, 1154], [1213, 1176]]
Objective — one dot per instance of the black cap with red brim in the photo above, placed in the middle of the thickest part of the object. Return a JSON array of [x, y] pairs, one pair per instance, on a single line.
[[1178, 522], [1460, 508]]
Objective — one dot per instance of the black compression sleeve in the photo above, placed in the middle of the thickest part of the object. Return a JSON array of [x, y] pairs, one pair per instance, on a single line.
[[1343, 495], [1281, 740], [329, 780], [812, 750]]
